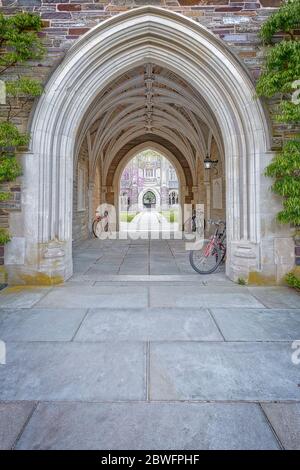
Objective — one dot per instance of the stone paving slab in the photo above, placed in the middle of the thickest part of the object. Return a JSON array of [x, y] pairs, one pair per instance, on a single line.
[[165, 278], [40, 324], [98, 270], [285, 419], [185, 268], [73, 371], [137, 278], [139, 257], [22, 296], [161, 268], [277, 297], [113, 257], [13, 417], [108, 296], [114, 262], [121, 280], [80, 280], [89, 255], [137, 250], [134, 267], [189, 296], [127, 426], [240, 324], [223, 371], [148, 325], [136, 258], [80, 267]]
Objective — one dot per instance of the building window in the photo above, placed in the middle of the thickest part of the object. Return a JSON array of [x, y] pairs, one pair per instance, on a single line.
[[173, 198], [172, 175], [149, 172], [81, 187]]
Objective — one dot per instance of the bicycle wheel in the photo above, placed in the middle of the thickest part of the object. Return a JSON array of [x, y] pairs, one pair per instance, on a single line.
[[96, 228], [204, 263], [223, 251]]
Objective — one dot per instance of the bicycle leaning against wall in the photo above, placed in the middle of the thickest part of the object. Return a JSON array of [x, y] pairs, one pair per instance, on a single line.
[[100, 224], [212, 252]]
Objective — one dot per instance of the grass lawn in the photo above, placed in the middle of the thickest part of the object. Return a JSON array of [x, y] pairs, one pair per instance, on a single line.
[[127, 216], [171, 215]]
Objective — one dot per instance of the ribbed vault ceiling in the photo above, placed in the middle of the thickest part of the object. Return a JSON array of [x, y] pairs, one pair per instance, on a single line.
[[148, 100]]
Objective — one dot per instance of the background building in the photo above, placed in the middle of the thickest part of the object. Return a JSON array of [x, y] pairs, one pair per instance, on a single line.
[[149, 181]]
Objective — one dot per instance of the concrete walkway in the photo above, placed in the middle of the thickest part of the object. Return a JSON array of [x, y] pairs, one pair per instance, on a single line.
[[138, 352], [149, 221]]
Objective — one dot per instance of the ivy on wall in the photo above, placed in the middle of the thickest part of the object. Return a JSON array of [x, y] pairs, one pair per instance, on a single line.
[[19, 44], [281, 77]]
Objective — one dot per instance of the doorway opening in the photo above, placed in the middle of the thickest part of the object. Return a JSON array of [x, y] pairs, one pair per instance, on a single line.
[[149, 200]]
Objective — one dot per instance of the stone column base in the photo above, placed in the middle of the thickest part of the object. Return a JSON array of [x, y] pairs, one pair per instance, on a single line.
[[242, 259], [44, 264]]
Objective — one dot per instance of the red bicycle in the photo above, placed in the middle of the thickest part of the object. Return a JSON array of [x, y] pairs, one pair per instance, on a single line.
[[212, 252]]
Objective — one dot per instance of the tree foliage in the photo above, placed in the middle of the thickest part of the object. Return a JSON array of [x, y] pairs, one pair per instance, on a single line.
[[285, 20], [281, 77], [293, 280], [4, 236], [19, 43], [282, 68]]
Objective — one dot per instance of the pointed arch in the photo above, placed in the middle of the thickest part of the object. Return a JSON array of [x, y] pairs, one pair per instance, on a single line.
[[136, 37]]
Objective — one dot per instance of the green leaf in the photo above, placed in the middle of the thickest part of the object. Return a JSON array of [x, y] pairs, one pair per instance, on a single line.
[[19, 41], [4, 236], [4, 196], [292, 280], [10, 136], [289, 112], [24, 87], [10, 168], [281, 69], [286, 19]]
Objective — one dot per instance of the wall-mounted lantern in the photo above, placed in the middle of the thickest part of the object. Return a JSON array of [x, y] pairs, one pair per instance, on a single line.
[[209, 163]]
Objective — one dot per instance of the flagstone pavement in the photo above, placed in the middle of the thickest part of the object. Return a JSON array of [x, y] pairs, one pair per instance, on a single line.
[[137, 351]]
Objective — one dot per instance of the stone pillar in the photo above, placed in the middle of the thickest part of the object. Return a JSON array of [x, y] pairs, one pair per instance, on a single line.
[[91, 189], [164, 183]]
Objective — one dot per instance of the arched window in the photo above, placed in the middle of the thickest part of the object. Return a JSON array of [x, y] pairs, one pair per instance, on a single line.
[[149, 199]]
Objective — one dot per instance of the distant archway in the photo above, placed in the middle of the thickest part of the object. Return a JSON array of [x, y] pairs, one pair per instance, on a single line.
[[149, 199]]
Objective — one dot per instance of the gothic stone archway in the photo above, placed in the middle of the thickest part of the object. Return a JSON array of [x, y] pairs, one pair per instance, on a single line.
[[145, 35]]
